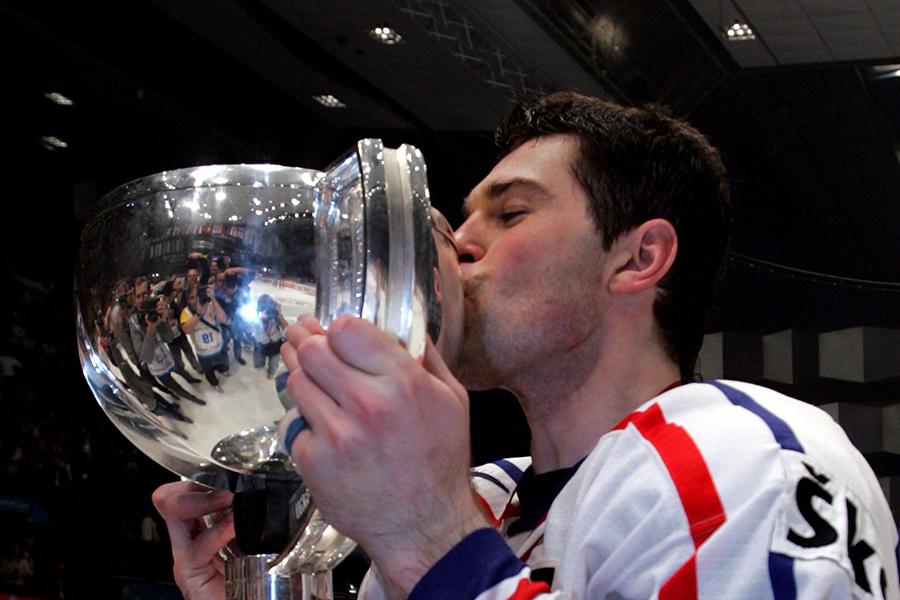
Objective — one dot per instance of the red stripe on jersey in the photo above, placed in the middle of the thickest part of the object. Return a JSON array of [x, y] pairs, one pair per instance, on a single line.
[[694, 484], [537, 542], [513, 509], [488, 511], [529, 589], [683, 584]]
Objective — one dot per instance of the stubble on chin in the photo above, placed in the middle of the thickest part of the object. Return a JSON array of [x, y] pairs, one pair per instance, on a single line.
[[473, 366]]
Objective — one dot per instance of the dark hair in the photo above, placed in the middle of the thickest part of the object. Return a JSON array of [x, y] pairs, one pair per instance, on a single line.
[[638, 164]]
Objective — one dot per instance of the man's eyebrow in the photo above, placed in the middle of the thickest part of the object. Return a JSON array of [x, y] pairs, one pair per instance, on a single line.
[[499, 188]]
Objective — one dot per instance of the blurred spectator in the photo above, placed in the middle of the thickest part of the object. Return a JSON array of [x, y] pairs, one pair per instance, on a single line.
[[232, 294], [180, 346], [203, 319], [269, 335], [9, 365], [16, 567], [152, 338], [61, 459]]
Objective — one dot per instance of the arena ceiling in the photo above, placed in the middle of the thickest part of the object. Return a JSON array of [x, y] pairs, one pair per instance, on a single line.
[[807, 114]]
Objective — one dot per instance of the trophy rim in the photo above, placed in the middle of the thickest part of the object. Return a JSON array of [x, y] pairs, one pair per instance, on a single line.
[[206, 176]]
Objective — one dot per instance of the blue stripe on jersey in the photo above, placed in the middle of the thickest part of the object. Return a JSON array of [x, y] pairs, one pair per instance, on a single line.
[[511, 469], [280, 381], [492, 479], [784, 435], [477, 563], [781, 573]]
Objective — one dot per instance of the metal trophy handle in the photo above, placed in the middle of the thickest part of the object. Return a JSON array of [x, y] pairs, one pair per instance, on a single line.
[[184, 283]]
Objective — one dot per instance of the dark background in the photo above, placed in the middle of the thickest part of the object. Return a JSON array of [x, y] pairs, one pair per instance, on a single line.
[[808, 128]]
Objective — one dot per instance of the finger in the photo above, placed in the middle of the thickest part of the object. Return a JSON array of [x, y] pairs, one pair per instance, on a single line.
[[289, 356], [289, 427], [363, 346], [314, 404], [205, 546], [162, 495], [311, 323], [181, 504], [344, 384], [434, 364], [194, 504], [295, 334]]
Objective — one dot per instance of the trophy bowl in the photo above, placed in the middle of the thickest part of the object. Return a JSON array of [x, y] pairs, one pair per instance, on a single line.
[[185, 283]]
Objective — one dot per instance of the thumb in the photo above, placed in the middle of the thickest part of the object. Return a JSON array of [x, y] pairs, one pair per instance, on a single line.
[[435, 365]]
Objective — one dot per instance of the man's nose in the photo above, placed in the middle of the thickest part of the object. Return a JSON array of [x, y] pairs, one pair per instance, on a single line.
[[471, 249]]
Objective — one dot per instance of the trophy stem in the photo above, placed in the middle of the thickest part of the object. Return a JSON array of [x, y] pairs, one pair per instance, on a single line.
[[318, 586], [248, 578]]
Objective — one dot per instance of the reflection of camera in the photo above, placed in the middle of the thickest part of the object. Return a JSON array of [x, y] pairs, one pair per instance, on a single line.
[[202, 296], [149, 310]]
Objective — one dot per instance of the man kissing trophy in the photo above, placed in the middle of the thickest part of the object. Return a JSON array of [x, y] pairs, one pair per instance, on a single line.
[[355, 239]]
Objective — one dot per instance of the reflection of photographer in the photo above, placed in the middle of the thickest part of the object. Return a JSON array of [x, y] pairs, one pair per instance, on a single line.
[[203, 319], [269, 334], [119, 338], [231, 293], [180, 346], [118, 321], [154, 350]]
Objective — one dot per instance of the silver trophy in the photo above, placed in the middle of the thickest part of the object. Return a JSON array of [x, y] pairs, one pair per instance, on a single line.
[[184, 284]]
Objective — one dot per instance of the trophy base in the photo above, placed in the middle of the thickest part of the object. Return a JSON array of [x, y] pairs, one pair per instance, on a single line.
[[248, 578]]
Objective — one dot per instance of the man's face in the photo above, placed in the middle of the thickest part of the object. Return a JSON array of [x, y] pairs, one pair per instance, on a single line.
[[532, 263], [193, 275], [141, 293], [449, 289]]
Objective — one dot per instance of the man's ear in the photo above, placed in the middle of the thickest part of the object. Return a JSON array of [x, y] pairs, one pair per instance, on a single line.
[[644, 256], [436, 277]]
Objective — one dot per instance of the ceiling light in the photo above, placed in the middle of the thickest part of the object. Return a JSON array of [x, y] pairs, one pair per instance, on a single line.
[[386, 35], [58, 98], [885, 71], [329, 101], [739, 32], [51, 142]]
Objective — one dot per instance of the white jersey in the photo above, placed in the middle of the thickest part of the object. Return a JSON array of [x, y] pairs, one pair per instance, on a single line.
[[207, 333], [163, 361], [717, 490]]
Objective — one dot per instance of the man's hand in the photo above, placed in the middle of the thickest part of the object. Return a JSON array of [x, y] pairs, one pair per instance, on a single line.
[[386, 455], [198, 569]]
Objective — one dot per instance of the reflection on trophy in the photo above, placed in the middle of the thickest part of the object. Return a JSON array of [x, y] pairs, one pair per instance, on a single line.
[[185, 283]]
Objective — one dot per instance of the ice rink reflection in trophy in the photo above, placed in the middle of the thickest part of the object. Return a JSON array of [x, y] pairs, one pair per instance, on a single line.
[[187, 279]]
